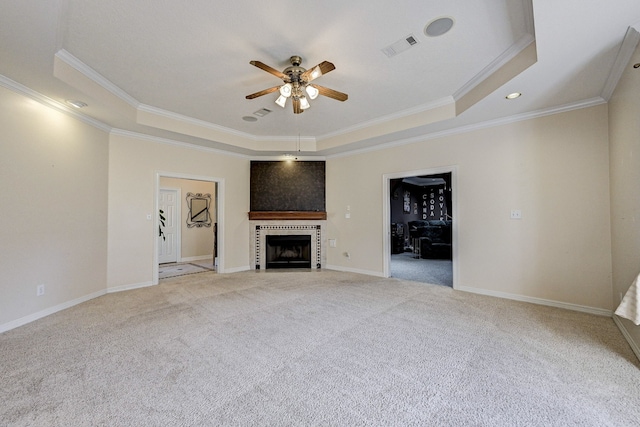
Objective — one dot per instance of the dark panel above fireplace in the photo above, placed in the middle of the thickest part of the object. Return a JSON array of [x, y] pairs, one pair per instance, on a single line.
[[278, 186]]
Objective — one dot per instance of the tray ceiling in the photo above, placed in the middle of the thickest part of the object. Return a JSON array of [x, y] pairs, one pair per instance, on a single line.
[[181, 71]]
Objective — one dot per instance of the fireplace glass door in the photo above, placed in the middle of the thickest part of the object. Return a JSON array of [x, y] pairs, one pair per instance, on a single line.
[[288, 251]]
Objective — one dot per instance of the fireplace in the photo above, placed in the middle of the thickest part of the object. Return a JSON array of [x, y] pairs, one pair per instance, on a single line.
[[267, 235], [288, 251]]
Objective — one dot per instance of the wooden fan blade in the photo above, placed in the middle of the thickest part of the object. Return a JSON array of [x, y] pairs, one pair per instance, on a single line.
[[268, 69], [296, 106], [331, 93], [263, 92], [314, 72]]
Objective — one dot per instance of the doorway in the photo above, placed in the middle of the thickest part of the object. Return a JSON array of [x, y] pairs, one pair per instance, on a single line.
[[420, 226], [191, 238]]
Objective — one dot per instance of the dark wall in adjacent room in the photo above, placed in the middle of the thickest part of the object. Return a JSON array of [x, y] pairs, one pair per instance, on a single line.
[[287, 186]]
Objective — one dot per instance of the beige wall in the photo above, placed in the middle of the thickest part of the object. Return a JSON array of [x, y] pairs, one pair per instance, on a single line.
[[134, 164], [195, 242], [555, 169], [624, 134], [53, 204]]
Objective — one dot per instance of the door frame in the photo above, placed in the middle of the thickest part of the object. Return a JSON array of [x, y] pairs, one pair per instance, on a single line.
[[178, 218], [219, 203], [386, 215]]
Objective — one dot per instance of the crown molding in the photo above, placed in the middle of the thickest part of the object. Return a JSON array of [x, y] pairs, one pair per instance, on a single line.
[[52, 103], [447, 100], [512, 52], [182, 144], [96, 77], [192, 121], [174, 122], [75, 63], [38, 97], [592, 102], [529, 17], [628, 47]]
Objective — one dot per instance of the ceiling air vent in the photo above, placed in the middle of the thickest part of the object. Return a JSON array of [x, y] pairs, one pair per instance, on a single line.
[[262, 112], [400, 46]]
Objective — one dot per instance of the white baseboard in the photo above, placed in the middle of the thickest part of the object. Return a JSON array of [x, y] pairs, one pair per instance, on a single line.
[[353, 270], [46, 312], [539, 301], [129, 287], [627, 336]]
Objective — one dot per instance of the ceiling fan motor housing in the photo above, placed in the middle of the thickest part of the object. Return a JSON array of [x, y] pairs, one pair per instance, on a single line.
[[295, 70]]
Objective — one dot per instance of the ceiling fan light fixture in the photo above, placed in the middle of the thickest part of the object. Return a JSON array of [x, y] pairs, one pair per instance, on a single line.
[[304, 104], [312, 92], [281, 101], [285, 90]]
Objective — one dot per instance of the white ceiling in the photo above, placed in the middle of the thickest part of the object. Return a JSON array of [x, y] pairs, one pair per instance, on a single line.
[[180, 70]]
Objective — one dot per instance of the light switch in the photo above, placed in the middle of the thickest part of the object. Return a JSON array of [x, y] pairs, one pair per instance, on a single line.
[[332, 243], [347, 215]]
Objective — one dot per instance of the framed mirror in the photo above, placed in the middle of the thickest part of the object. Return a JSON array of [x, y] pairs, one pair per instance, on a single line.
[[198, 205]]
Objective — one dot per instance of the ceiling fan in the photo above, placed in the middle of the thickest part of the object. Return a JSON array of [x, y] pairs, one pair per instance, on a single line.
[[297, 82]]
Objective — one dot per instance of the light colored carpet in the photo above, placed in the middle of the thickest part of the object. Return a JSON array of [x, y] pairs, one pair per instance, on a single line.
[[315, 349]]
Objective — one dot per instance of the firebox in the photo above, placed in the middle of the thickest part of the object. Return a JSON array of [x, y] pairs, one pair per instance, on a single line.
[[288, 251]]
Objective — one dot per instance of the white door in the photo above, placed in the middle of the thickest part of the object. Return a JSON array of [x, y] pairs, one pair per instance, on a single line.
[[168, 241]]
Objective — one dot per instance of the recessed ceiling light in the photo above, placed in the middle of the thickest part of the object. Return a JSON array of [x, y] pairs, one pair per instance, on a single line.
[[513, 95], [76, 104], [438, 26], [250, 119]]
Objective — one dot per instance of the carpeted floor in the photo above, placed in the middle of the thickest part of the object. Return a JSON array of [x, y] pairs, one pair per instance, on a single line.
[[315, 349], [433, 271]]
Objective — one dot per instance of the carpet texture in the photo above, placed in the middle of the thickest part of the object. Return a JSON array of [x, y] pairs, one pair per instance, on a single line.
[[315, 349], [433, 271]]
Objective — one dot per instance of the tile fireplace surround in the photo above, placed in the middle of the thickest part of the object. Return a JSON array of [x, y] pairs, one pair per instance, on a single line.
[[260, 229]]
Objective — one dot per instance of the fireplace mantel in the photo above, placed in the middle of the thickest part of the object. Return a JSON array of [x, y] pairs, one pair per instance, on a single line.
[[286, 215]]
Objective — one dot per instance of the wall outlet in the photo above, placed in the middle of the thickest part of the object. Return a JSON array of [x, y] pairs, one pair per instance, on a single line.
[[40, 290], [516, 214]]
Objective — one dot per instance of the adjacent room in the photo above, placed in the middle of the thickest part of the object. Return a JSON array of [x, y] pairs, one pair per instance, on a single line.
[[282, 213], [421, 229]]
